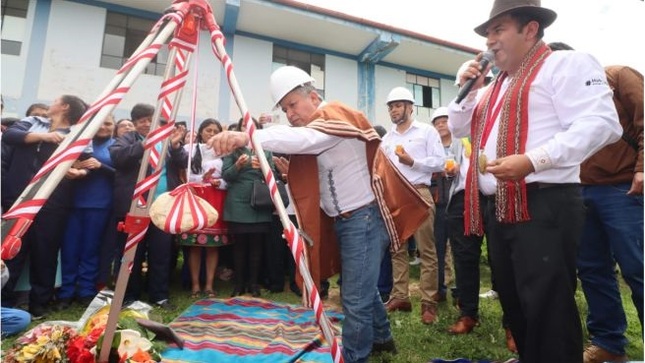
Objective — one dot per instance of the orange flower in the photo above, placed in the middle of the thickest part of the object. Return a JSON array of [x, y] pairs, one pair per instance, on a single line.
[[141, 356]]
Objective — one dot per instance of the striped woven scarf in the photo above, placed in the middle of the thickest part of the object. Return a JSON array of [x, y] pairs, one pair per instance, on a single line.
[[510, 201]]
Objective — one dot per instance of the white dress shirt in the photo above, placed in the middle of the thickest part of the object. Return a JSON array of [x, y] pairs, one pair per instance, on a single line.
[[571, 116], [423, 143], [343, 174]]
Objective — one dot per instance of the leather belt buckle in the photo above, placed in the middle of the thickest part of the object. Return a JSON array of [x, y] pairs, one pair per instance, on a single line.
[[346, 214]]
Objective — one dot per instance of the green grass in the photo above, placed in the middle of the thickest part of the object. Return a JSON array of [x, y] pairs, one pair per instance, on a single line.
[[415, 341]]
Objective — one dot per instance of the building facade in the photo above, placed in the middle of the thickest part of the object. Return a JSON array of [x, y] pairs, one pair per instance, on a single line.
[[55, 47]]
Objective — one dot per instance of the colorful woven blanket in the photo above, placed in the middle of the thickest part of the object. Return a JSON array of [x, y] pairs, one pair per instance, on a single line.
[[245, 329]]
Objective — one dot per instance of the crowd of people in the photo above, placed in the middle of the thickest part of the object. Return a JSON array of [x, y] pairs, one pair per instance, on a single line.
[[543, 161], [81, 218]]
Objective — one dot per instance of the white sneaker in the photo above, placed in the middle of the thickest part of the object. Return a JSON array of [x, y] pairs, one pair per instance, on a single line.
[[490, 294], [415, 262]]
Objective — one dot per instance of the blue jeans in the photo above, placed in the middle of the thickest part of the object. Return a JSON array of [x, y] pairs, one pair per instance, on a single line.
[[362, 239], [613, 233], [14, 321], [385, 281]]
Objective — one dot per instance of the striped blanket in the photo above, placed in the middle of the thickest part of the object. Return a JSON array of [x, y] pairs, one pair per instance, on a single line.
[[245, 329]]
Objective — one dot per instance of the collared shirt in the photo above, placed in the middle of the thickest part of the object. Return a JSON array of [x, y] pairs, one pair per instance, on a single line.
[[571, 116], [423, 143], [343, 175]]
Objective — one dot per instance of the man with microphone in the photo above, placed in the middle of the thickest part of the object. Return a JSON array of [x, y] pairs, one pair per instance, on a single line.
[[542, 116]]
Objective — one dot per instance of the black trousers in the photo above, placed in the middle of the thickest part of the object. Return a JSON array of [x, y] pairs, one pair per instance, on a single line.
[[534, 266], [156, 248], [273, 258], [466, 252], [247, 259], [41, 243]]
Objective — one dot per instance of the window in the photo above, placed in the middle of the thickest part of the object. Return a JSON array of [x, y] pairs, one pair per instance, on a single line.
[[312, 63], [123, 35], [14, 22], [426, 93]]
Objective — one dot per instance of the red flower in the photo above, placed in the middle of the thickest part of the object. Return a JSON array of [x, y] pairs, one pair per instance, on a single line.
[[75, 348], [86, 357], [93, 337]]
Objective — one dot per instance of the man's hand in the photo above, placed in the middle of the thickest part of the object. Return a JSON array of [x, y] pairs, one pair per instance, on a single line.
[[53, 137], [513, 167], [473, 72], [282, 164], [227, 141], [637, 184], [404, 157]]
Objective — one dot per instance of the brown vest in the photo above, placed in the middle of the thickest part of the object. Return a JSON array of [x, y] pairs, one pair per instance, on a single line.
[[402, 208]]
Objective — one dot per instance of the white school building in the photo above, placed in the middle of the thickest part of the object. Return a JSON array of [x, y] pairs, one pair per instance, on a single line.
[[55, 47]]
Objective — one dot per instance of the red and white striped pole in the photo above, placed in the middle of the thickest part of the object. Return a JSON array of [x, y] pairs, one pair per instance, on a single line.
[[294, 239], [137, 220]]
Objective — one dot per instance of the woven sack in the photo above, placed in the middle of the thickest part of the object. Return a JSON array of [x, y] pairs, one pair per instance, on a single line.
[[180, 211]]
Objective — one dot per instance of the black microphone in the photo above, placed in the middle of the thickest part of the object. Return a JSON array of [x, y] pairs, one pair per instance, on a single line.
[[487, 57]]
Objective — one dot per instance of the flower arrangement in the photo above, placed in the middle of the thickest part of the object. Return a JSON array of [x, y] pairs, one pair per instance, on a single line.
[[59, 343], [44, 343]]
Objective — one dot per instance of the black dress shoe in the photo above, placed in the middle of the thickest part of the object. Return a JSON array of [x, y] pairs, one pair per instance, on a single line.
[[37, 312], [385, 347]]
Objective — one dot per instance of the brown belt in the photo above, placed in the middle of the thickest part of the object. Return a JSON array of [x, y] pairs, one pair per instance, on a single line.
[[421, 186], [346, 215]]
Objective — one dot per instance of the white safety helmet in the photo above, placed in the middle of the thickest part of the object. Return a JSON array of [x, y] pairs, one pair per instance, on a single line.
[[439, 112], [400, 94], [286, 79], [463, 68]]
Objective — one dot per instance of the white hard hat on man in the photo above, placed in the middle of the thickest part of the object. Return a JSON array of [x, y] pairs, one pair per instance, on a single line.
[[400, 94], [286, 79]]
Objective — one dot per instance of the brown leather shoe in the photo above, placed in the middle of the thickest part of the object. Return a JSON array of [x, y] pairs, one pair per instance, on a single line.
[[428, 314], [595, 354], [398, 305], [439, 296], [510, 342], [464, 325]]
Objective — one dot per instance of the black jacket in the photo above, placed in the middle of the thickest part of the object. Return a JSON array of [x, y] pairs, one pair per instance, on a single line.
[[126, 153]]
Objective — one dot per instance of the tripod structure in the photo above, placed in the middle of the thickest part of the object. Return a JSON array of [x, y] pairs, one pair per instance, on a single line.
[[183, 21]]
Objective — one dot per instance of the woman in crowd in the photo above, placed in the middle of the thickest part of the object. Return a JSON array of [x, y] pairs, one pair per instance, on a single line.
[[33, 140], [122, 126], [91, 210], [206, 171], [248, 226]]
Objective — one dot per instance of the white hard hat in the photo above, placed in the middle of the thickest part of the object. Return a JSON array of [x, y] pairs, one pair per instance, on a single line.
[[439, 112], [463, 68], [286, 79], [400, 94]]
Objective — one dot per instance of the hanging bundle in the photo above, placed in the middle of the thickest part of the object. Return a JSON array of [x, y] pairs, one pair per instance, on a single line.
[[180, 211]]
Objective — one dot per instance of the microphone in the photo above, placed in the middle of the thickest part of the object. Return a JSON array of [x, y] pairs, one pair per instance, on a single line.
[[487, 57]]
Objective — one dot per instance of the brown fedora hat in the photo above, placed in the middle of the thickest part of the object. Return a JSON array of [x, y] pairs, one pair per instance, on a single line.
[[500, 7]]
